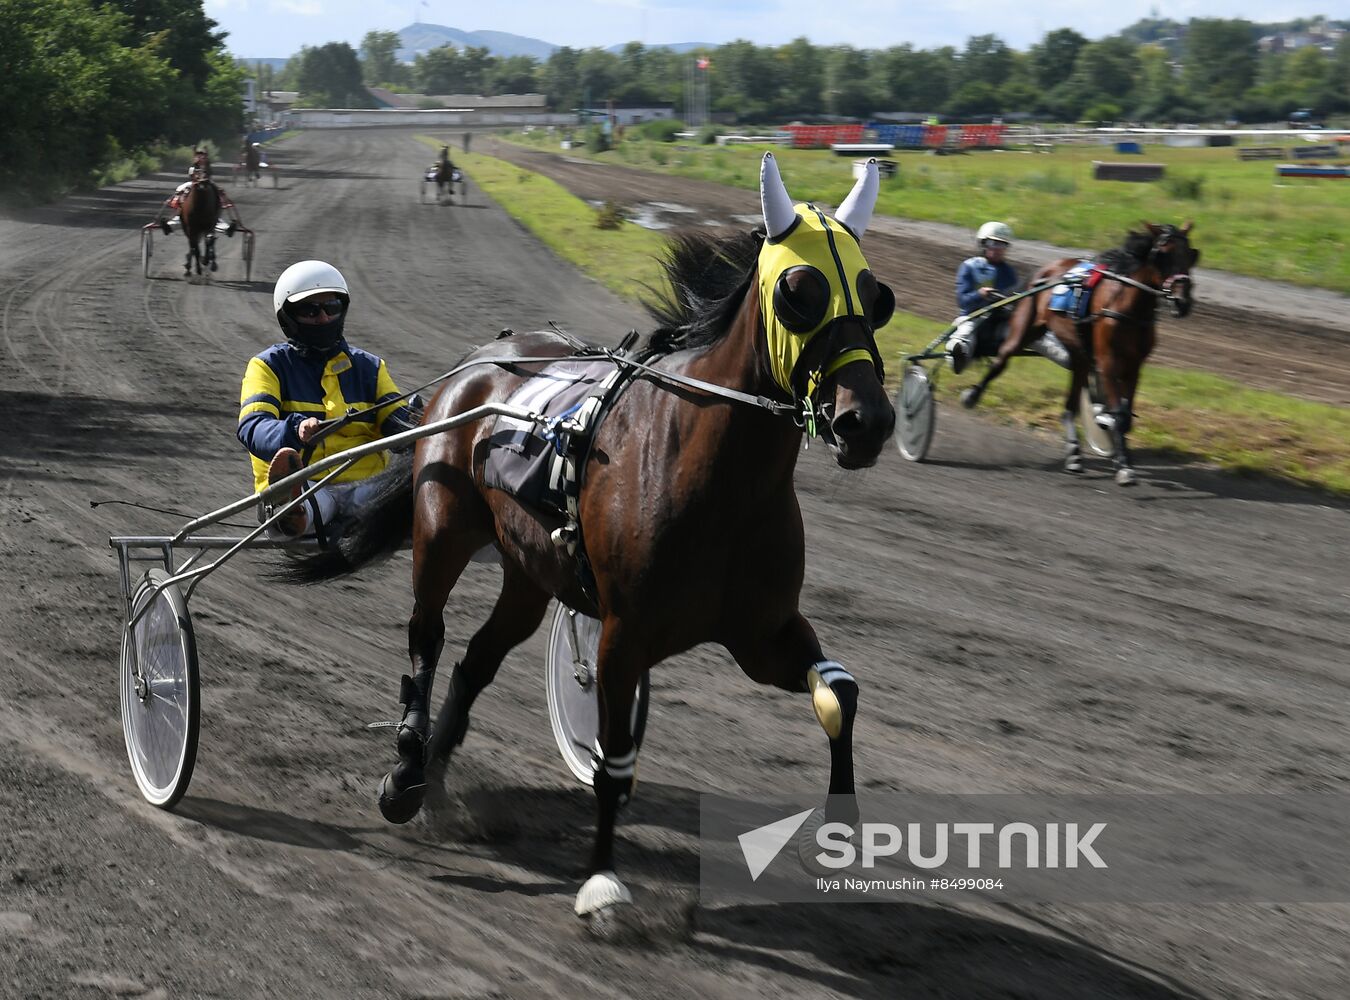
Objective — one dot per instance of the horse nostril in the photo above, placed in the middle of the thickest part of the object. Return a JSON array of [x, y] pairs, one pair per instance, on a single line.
[[847, 424]]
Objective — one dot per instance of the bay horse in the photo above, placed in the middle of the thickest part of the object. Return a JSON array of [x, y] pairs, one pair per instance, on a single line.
[[199, 211], [445, 176], [1115, 335], [690, 523]]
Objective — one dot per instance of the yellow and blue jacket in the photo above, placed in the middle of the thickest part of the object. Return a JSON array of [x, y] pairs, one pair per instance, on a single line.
[[281, 389]]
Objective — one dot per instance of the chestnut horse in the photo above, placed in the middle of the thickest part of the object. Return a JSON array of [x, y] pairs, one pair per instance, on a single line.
[[199, 211], [1116, 334], [687, 514]]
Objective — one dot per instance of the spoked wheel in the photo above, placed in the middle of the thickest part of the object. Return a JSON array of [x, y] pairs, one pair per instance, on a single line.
[[572, 700], [915, 414], [1095, 436], [147, 250], [422, 191], [248, 256], [161, 708]]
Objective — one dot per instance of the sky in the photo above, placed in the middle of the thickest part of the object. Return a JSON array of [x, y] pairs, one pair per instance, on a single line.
[[277, 28]]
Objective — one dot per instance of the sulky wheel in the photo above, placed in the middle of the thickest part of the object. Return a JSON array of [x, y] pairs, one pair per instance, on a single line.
[[161, 708], [915, 414], [147, 250], [572, 703]]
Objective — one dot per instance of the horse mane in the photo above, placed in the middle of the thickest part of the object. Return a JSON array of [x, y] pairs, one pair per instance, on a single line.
[[708, 277], [1129, 257]]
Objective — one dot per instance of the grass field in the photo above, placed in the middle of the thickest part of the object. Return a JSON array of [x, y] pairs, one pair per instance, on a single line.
[[1187, 414], [1295, 231]]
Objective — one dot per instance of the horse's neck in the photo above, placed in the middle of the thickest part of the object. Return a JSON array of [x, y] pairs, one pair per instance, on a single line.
[[764, 441]]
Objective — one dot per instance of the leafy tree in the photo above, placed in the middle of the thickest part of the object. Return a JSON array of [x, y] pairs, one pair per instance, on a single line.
[[1220, 61], [974, 98], [379, 59], [987, 59], [800, 69], [1105, 71], [746, 80], [73, 95], [437, 71], [1053, 58], [330, 77], [1340, 75], [1156, 88], [476, 61], [598, 76], [561, 78], [1308, 76], [513, 75], [848, 91]]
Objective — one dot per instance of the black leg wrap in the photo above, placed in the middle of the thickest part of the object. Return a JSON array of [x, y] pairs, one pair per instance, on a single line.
[[609, 788], [847, 693], [403, 789]]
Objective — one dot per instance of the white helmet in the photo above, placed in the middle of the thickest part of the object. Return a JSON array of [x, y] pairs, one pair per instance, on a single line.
[[999, 231], [304, 279]]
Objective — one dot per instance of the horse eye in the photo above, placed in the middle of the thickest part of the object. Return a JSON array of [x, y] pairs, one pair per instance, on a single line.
[[800, 298]]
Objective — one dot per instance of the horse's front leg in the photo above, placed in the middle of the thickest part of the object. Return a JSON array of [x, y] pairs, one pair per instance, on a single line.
[[792, 660], [187, 262], [1116, 414], [211, 251], [619, 668]]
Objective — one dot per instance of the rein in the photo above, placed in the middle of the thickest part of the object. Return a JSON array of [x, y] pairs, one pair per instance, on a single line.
[[778, 409]]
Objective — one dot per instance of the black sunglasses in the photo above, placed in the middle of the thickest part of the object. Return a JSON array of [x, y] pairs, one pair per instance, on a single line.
[[308, 310]]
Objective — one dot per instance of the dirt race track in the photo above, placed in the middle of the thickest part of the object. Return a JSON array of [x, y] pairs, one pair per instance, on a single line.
[[1013, 629]]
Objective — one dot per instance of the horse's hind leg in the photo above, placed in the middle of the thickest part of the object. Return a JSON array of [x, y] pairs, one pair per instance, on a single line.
[[439, 557], [1073, 454], [519, 610], [211, 251]]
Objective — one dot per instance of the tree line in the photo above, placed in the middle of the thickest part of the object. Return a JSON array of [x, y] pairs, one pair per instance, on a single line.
[[1156, 70], [86, 83]]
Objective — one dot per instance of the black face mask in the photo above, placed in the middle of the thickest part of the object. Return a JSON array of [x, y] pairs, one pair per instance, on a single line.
[[314, 341]]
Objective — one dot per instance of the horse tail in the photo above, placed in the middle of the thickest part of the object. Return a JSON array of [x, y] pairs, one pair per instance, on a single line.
[[373, 532]]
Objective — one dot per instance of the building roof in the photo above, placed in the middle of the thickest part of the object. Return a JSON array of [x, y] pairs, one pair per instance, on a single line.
[[479, 101]]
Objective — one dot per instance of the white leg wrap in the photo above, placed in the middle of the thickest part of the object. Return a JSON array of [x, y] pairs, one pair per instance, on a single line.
[[602, 890]]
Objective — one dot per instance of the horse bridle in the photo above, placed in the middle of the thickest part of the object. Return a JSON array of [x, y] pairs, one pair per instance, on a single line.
[[1176, 281], [809, 378]]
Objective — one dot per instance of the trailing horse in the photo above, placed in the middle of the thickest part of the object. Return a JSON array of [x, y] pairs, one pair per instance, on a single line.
[[199, 211], [1105, 316], [687, 525]]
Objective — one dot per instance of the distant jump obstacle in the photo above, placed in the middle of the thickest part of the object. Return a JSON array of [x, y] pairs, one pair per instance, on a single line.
[[1104, 171]]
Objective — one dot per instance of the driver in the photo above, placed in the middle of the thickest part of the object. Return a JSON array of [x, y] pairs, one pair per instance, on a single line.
[[200, 162], [981, 281], [315, 375]]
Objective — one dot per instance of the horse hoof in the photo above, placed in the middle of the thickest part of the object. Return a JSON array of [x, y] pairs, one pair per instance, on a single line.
[[399, 806], [602, 891], [970, 397], [1074, 464], [1126, 477]]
